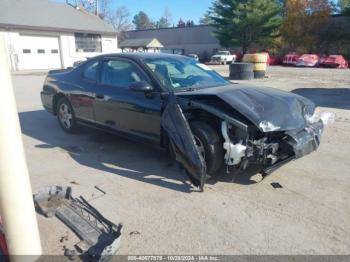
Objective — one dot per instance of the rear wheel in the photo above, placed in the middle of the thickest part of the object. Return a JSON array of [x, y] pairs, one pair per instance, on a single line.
[[209, 145], [65, 115]]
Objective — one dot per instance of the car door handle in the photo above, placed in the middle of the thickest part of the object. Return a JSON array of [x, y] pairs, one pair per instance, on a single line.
[[99, 96]]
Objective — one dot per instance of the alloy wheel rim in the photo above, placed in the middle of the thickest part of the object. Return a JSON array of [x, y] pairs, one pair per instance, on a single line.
[[66, 116]]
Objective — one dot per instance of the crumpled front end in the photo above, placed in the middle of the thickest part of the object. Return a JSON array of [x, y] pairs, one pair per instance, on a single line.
[[271, 150], [255, 132], [307, 140]]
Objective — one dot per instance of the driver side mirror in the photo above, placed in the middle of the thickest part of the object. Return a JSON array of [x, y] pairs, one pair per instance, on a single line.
[[141, 86]]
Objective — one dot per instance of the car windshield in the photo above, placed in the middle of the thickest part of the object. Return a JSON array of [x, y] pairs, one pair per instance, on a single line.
[[181, 73], [222, 53]]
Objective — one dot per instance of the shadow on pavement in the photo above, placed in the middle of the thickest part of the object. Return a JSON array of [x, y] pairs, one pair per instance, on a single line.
[[110, 153], [327, 97], [105, 152]]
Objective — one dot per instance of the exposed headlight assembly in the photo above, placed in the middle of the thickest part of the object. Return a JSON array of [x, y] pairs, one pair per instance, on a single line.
[[326, 117]]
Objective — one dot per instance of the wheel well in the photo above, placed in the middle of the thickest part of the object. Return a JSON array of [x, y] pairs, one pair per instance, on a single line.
[[56, 98], [196, 115], [204, 116]]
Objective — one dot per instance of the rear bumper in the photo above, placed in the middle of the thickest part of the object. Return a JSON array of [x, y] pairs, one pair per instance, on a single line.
[[46, 100]]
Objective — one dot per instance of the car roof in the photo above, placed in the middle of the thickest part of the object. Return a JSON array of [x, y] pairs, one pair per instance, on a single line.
[[143, 56]]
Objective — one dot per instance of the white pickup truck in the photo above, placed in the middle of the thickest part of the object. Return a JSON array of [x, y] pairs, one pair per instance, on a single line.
[[223, 57]]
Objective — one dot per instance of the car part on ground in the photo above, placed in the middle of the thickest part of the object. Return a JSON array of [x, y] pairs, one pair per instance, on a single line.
[[100, 238], [291, 59], [308, 60], [241, 71], [335, 61]]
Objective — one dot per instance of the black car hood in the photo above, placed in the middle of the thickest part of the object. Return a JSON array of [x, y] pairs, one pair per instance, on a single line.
[[268, 108]]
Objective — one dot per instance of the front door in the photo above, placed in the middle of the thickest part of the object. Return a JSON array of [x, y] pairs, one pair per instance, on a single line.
[[182, 142], [117, 107]]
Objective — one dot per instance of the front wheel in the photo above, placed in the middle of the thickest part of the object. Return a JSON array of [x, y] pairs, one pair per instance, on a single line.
[[210, 145], [65, 115]]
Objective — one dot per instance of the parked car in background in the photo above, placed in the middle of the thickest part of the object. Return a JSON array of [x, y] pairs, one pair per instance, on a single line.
[[275, 60], [335, 61], [194, 56], [308, 60], [223, 57], [202, 120], [291, 59]]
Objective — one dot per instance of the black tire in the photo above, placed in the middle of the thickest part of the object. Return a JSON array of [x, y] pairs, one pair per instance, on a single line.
[[241, 67], [259, 74], [65, 115], [247, 75], [213, 146]]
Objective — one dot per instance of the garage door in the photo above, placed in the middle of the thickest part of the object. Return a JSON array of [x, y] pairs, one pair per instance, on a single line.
[[39, 52]]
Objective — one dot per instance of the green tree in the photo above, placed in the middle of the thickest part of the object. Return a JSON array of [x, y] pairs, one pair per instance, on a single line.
[[344, 6], [166, 20], [304, 22], [243, 23], [206, 19], [142, 21], [163, 23]]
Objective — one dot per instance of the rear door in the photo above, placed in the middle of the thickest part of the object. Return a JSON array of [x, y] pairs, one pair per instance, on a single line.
[[120, 108]]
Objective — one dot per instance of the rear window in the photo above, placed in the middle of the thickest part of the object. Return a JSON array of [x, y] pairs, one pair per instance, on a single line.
[[90, 72]]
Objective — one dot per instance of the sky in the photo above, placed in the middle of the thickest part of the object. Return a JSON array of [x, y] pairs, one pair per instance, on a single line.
[[185, 9]]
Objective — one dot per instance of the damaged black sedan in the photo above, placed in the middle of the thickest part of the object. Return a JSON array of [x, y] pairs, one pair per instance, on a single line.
[[205, 122]]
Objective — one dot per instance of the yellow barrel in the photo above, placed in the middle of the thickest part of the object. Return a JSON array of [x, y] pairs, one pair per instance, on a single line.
[[259, 62], [255, 58], [259, 67]]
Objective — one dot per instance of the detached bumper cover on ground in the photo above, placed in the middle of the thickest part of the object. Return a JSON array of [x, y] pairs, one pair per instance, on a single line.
[[99, 237]]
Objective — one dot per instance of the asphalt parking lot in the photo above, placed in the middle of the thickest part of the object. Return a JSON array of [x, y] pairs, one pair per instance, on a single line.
[[163, 214]]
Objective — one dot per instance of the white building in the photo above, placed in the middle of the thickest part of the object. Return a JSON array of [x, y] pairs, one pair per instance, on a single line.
[[41, 34]]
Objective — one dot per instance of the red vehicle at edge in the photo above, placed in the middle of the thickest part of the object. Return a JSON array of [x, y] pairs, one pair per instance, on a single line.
[[291, 58], [308, 60], [335, 61]]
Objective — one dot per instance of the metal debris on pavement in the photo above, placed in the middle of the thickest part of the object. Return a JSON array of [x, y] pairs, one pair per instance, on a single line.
[[100, 238]]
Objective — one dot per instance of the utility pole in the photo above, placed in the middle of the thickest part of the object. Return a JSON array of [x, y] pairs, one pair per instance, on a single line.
[[97, 11], [16, 198]]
